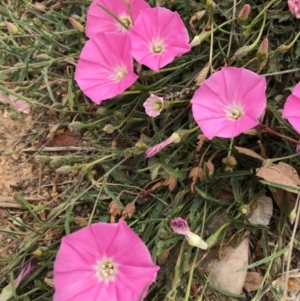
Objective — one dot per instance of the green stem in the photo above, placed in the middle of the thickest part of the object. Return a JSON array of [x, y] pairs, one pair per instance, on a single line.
[[230, 148], [246, 33]]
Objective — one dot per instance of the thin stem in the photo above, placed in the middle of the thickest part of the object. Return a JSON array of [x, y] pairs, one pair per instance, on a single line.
[[230, 148]]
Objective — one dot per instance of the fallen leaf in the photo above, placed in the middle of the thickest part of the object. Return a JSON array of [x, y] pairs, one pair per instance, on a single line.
[[281, 173], [249, 152], [223, 273], [261, 211], [253, 281], [162, 258], [199, 80], [211, 168]]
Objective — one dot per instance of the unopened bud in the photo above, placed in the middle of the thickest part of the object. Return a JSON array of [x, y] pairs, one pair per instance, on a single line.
[[11, 27], [243, 51], [75, 126], [244, 14], [200, 38], [231, 161], [141, 145], [292, 215], [109, 128], [102, 111], [262, 52], [76, 25], [64, 169], [38, 253], [283, 48], [245, 209], [212, 240]]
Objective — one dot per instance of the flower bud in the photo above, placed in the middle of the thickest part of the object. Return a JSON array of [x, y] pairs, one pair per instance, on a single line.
[[200, 38], [212, 240], [195, 240], [243, 51], [244, 14], [292, 215], [262, 52], [109, 128], [231, 161], [75, 126], [283, 48], [76, 25], [141, 145], [11, 27], [64, 169], [245, 209]]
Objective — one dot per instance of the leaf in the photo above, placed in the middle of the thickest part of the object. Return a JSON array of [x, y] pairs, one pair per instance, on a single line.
[[211, 168], [281, 173], [261, 211], [253, 281], [249, 152], [6, 293]]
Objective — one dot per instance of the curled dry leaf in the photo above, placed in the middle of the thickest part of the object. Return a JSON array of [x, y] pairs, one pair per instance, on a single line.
[[114, 210], [253, 281], [129, 210], [249, 152], [172, 183], [281, 173], [196, 17], [199, 80], [196, 173], [261, 211], [211, 167]]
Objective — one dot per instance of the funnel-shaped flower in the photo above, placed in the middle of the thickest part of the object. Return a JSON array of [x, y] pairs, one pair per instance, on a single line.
[[180, 226], [105, 67], [99, 20], [229, 102], [291, 109], [294, 6], [153, 105], [103, 262], [158, 36]]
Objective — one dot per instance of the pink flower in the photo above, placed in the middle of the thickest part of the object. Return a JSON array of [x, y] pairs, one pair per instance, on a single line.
[[294, 6], [98, 20], [153, 105], [229, 102], [158, 36], [180, 226], [291, 109], [105, 67], [103, 262], [244, 13]]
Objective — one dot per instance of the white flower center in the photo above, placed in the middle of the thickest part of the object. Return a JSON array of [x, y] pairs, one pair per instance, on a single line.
[[119, 74], [234, 112], [105, 269], [127, 21], [157, 47]]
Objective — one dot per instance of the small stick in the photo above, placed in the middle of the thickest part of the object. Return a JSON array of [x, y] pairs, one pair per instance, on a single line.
[[61, 149]]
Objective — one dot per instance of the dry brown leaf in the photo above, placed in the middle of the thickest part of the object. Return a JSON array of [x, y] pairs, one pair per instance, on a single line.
[[199, 80], [223, 273], [261, 211], [253, 281], [162, 258], [280, 174], [49, 282], [114, 209], [129, 210], [249, 152], [211, 167], [172, 183]]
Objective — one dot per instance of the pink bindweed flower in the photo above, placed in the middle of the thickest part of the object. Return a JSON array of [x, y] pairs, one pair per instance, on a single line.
[[291, 109], [294, 6], [158, 36], [99, 20], [153, 105], [229, 102], [180, 226], [103, 262], [105, 67]]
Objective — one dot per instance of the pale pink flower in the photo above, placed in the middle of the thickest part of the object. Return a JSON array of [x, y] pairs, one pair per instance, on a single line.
[[153, 105], [98, 20], [294, 6], [229, 102], [103, 262], [180, 226], [158, 36], [291, 109], [105, 66]]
